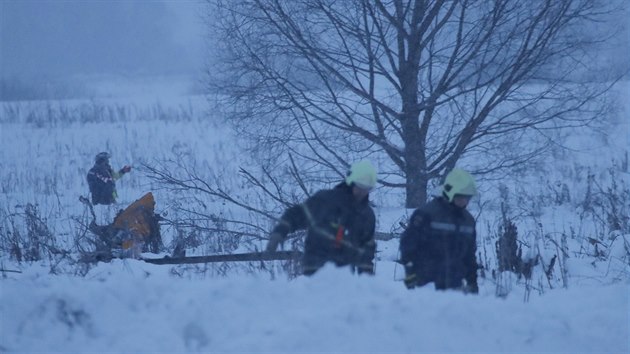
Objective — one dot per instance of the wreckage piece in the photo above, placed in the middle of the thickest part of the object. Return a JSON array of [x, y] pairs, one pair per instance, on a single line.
[[134, 230], [237, 257]]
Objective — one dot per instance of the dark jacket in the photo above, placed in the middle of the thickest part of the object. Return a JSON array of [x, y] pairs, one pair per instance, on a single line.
[[102, 182], [340, 229], [439, 245]]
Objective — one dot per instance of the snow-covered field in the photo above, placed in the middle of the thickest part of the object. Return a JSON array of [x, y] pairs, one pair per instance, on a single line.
[[132, 306]]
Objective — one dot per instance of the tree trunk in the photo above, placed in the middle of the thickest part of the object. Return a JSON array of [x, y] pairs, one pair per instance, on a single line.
[[415, 159], [416, 189]]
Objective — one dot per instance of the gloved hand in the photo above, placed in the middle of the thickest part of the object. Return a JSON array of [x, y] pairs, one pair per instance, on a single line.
[[471, 288], [357, 254], [125, 169], [367, 268], [411, 280], [274, 240]]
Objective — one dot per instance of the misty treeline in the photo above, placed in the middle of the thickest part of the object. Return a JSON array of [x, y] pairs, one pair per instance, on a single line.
[[51, 49]]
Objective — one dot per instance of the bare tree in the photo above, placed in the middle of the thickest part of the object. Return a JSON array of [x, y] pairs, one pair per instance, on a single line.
[[418, 85]]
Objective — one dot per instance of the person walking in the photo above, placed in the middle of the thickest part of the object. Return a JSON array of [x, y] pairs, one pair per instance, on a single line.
[[340, 224], [439, 243]]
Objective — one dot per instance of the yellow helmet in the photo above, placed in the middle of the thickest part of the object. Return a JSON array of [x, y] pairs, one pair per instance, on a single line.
[[459, 182], [362, 174]]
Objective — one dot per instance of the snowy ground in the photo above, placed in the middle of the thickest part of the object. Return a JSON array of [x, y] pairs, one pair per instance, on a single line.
[[131, 306]]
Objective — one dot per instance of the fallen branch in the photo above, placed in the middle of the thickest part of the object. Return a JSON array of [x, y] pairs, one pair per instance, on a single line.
[[237, 257], [10, 271]]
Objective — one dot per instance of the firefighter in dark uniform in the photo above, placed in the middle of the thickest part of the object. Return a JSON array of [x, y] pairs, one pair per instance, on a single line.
[[439, 244], [340, 224], [102, 180]]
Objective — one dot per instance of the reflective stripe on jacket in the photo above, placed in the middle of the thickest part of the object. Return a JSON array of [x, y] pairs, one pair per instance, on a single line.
[[338, 228], [101, 180], [440, 242]]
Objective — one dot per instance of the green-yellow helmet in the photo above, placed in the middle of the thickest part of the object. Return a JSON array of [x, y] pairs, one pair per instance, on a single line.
[[459, 182], [362, 174]]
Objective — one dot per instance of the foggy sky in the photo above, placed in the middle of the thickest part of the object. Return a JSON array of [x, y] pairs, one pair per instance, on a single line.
[[57, 38], [62, 38]]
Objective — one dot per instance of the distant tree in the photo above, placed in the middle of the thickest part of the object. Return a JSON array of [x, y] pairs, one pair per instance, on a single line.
[[416, 84]]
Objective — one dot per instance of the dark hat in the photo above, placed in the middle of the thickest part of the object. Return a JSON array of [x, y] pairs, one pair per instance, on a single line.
[[102, 156]]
